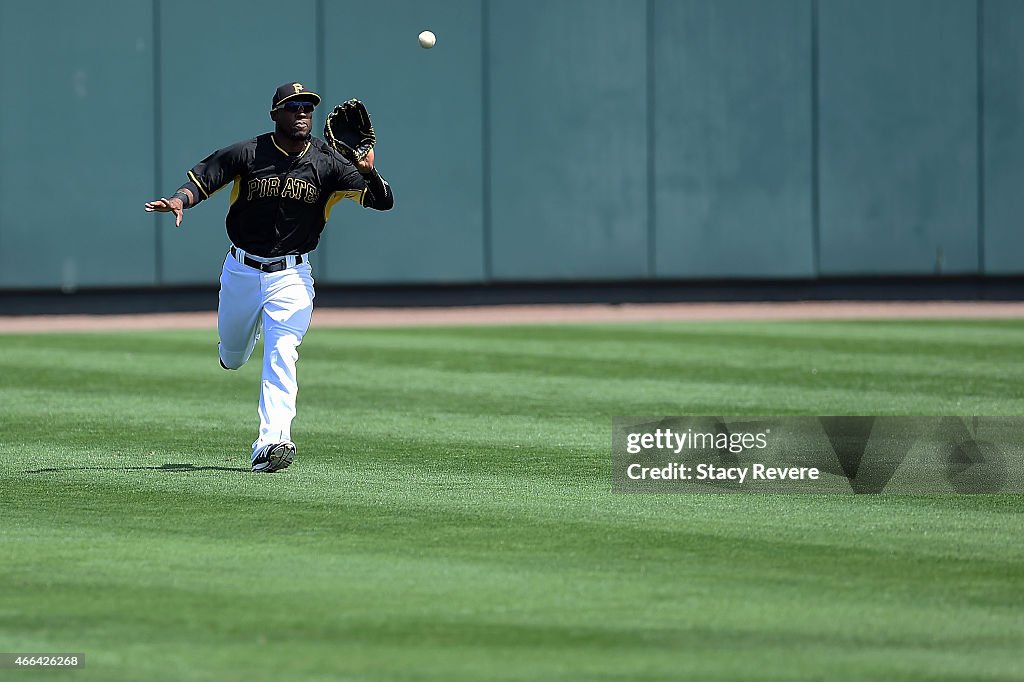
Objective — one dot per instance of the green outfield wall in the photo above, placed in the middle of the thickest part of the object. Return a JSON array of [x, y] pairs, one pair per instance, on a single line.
[[596, 140]]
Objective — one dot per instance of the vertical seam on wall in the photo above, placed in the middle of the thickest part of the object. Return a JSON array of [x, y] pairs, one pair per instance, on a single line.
[[319, 47], [652, 244], [158, 146], [981, 133], [815, 151], [485, 107]]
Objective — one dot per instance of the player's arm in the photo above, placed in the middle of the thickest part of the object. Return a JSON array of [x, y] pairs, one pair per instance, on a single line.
[[363, 175], [378, 192], [203, 181]]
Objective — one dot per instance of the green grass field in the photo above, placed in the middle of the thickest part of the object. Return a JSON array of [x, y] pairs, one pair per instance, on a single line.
[[449, 515]]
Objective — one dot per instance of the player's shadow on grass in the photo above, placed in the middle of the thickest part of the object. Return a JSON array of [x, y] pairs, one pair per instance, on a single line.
[[171, 468]]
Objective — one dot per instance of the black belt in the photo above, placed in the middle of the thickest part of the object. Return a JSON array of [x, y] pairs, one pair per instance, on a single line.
[[272, 266]]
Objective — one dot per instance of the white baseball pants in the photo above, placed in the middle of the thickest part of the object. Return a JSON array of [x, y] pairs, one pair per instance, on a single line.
[[281, 305]]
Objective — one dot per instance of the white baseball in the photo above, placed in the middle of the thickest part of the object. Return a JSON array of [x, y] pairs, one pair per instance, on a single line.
[[427, 40]]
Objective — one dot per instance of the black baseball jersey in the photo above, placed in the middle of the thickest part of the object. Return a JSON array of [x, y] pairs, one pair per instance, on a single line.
[[281, 202]]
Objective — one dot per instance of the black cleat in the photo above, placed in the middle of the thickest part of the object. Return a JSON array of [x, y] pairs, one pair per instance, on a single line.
[[273, 457]]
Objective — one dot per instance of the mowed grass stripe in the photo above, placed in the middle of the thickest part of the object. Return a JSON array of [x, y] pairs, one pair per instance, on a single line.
[[790, 362], [451, 518], [681, 371], [708, 562]]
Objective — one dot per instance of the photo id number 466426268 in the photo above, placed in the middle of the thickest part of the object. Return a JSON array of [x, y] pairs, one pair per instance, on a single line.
[[18, 660]]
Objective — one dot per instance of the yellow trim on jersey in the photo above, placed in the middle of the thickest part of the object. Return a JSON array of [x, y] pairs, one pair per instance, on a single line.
[[235, 190], [353, 194], [308, 144], [192, 176]]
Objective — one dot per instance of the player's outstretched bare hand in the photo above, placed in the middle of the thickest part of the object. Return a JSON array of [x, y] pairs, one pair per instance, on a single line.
[[172, 205]]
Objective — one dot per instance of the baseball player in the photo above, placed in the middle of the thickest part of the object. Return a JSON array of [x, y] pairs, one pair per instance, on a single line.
[[285, 184]]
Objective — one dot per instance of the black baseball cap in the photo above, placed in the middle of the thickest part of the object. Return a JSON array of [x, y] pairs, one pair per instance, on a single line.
[[294, 91]]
